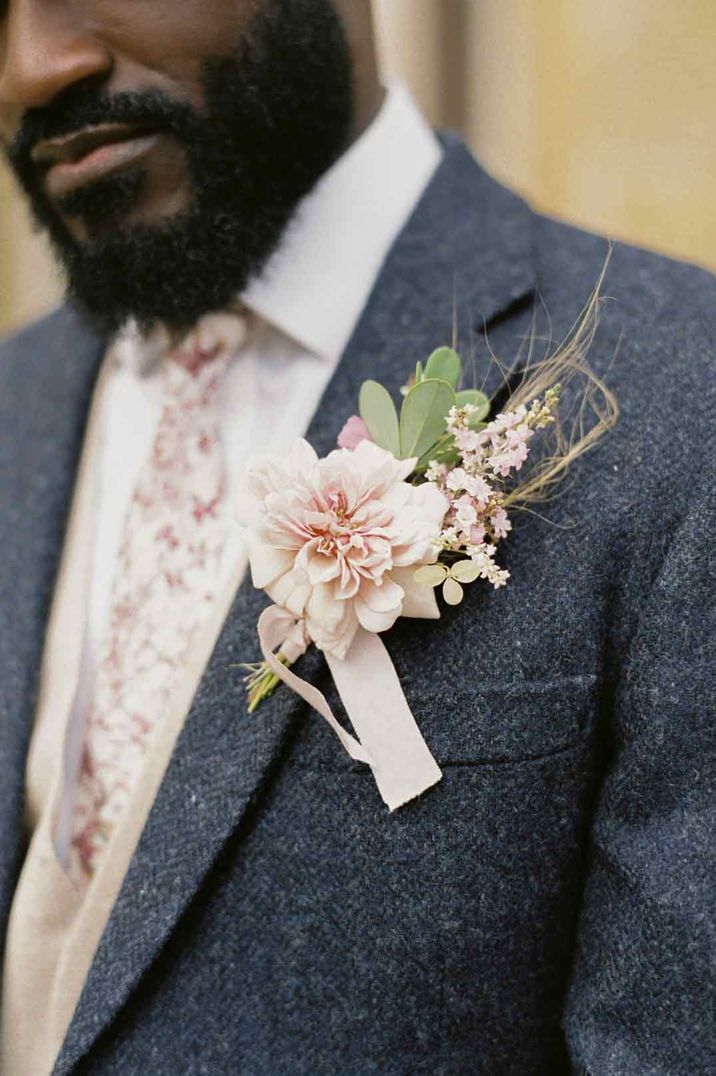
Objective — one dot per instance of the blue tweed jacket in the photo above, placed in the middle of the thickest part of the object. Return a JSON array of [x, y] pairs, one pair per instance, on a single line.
[[547, 908]]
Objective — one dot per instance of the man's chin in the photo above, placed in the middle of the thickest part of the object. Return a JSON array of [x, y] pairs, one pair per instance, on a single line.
[[171, 272], [143, 215], [100, 205]]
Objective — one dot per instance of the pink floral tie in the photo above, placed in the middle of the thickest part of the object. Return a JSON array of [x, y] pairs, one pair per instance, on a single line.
[[165, 584]]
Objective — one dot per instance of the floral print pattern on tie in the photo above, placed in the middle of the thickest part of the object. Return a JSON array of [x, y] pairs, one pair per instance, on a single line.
[[165, 584]]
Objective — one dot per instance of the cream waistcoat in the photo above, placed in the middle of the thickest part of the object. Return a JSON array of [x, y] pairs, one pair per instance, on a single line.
[[54, 929]]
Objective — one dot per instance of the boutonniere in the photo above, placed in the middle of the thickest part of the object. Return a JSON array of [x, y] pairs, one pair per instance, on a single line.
[[413, 502]]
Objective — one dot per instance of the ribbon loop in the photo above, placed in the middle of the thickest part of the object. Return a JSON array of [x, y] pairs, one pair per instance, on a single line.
[[275, 626]]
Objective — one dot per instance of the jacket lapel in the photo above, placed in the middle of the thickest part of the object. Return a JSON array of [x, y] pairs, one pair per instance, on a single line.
[[463, 259], [47, 377]]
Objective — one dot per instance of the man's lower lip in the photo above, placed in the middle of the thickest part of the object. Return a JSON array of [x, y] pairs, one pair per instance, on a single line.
[[69, 176]]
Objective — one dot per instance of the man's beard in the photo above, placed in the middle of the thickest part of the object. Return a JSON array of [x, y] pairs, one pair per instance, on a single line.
[[278, 113]]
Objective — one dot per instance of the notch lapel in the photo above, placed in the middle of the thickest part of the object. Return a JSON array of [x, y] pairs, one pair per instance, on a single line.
[[46, 383], [463, 258]]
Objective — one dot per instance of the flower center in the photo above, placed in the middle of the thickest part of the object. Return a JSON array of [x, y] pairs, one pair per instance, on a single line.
[[338, 529], [339, 507], [346, 530]]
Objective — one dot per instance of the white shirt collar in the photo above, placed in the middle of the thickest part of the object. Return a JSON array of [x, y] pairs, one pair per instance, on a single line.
[[316, 285], [318, 281]]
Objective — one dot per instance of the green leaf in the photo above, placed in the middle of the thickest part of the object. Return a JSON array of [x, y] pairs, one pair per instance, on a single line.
[[380, 416], [419, 373], [478, 400], [423, 418], [445, 451], [446, 365]]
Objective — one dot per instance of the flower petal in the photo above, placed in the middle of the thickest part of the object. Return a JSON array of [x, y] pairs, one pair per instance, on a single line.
[[379, 606], [452, 592], [383, 597], [334, 638], [372, 620], [321, 568], [268, 562], [465, 571], [420, 601], [430, 575], [289, 594]]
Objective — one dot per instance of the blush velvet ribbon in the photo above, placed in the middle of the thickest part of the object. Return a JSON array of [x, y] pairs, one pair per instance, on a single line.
[[390, 741]]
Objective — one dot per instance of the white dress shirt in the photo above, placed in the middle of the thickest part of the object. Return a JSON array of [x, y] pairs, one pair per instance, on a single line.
[[302, 312]]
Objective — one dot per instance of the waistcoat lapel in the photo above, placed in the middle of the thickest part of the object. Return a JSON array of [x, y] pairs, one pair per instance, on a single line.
[[46, 381], [464, 258]]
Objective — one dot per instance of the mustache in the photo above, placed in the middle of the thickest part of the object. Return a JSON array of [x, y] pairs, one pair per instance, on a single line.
[[83, 107]]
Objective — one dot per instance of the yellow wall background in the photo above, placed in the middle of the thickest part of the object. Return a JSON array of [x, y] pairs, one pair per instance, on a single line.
[[599, 111]]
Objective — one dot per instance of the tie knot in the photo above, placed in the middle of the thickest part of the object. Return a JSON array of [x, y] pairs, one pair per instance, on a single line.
[[215, 337]]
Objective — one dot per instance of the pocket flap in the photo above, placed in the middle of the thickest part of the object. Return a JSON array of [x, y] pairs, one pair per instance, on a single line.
[[489, 723], [506, 722]]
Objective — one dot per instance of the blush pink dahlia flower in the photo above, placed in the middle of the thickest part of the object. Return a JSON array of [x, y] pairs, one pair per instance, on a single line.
[[336, 541]]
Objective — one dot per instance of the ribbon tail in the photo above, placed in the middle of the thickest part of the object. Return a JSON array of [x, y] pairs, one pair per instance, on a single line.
[[273, 629], [369, 687]]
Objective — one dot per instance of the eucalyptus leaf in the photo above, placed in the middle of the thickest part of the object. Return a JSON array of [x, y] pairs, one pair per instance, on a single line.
[[476, 399], [446, 365], [445, 451], [423, 419], [380, 416]]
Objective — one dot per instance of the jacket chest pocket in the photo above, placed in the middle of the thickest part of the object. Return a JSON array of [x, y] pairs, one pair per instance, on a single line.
[[516, 759], [473, 887], [490, 724]]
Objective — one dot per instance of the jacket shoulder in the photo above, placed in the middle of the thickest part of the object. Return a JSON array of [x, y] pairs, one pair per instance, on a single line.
[[59, 324], [41, 353], [661, 292], [655, 346]]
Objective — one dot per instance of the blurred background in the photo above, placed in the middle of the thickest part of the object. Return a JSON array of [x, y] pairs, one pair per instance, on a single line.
[[599, 111]]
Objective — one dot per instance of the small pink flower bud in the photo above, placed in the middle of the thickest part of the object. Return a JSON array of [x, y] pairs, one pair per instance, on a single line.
[[354, 431]]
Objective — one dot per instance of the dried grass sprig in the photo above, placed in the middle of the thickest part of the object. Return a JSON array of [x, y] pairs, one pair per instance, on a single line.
[[596, 415]]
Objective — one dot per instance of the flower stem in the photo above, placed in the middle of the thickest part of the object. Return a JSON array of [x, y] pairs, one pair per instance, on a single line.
[[261, 682]]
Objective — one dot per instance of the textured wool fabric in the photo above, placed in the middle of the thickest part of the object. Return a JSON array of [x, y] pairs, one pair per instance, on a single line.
[[548, 907]]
